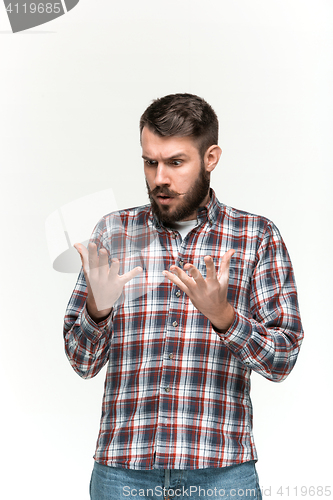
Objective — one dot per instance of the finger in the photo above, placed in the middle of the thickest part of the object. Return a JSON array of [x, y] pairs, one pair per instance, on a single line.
[[103, 268], [176, 281], [93, 256], [83, 252], [180, 282], [114, 269], [225, 263], [195, 274], [131, 274], [210, 266]]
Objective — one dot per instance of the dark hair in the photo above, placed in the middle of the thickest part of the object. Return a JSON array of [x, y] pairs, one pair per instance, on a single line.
[[182, 115]]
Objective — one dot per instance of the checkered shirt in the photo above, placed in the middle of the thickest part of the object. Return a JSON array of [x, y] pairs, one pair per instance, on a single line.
[[177, 392]]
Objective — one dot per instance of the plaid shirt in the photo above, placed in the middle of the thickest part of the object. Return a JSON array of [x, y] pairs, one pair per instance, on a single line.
[[177, 392]]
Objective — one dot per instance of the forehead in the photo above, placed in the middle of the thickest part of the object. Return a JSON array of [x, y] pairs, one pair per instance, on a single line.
[[154, 145]]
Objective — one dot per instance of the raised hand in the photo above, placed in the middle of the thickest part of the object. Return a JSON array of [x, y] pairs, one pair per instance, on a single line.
[[103, 282], [208, 295]]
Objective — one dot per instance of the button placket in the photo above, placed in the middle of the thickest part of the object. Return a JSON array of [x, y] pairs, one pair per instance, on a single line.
[[169, 366]]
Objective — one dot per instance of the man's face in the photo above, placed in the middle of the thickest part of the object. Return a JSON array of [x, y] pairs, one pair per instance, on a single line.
[[176, 177]]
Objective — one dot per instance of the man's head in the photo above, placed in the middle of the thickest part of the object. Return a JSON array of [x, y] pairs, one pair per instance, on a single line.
[[179, 135], [183, 115]]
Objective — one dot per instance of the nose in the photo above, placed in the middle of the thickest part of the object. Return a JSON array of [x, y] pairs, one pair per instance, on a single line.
[[162, 175]]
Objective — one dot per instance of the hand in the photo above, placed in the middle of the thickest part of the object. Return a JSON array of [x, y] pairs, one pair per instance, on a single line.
[[103, 282], [208, 295]]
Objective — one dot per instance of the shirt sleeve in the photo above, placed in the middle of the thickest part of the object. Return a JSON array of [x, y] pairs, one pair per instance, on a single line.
[[86, 342], [268, 341]]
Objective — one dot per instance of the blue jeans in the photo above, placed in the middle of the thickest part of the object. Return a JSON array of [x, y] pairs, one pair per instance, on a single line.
[[237, 482]]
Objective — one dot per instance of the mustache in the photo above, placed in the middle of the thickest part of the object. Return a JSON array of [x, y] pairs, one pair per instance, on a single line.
[[163, 190]]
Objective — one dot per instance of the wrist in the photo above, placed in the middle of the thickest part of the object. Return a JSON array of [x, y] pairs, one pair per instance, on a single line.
[[224, 322], [100, 316], [97, 315]]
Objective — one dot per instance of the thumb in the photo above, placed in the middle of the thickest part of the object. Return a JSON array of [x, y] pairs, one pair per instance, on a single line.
[[83, 252]]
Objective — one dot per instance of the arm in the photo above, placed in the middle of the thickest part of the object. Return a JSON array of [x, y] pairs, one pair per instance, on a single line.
[[88, 319], [86, 342], [268, 341]]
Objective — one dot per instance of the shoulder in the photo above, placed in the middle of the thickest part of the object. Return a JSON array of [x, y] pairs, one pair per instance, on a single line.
[[243, 224], [241, 217]]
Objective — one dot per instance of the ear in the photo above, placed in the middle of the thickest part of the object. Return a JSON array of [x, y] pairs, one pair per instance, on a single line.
[[211, 157]]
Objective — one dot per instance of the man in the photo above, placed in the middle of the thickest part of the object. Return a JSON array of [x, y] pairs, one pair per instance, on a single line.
[[183, 298]]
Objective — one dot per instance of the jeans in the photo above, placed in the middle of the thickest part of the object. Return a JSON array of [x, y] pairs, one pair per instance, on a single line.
[[237, 482]]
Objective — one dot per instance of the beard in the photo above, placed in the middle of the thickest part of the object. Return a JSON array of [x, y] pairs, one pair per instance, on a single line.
[[191, 201]]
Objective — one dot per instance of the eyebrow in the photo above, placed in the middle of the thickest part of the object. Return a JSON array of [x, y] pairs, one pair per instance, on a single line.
[[173, 157]]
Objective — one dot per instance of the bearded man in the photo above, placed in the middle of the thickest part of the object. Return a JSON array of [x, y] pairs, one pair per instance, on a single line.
[[183, 298]]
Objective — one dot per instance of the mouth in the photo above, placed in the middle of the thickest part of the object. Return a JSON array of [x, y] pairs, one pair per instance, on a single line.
[[164, 199]]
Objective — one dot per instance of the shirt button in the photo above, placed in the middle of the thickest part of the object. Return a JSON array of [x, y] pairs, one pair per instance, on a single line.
[[174, 235], [167, 389], [177, 293], [181, 263], [171, 355], [175, 323]]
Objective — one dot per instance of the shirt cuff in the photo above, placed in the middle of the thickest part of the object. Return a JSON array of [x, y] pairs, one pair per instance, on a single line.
[[238, 334], [93, 331]]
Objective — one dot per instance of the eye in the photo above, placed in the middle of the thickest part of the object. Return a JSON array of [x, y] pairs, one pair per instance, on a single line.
[[151, 163], [176, 163]]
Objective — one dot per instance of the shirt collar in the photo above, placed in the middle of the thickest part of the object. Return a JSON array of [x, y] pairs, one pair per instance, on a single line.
[[210, 211]]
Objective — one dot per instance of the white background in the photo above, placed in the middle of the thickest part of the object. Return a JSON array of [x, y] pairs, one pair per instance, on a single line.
[[71, 94]]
